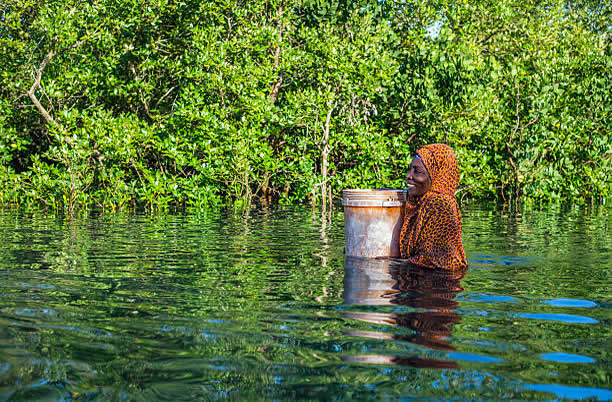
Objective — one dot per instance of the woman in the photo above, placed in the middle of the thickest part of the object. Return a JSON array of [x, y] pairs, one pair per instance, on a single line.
[[431, 234]]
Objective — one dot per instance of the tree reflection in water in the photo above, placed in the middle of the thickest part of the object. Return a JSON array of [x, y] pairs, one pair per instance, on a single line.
[[375, 282]]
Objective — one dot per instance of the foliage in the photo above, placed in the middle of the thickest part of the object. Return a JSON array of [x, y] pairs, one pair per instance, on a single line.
[[195, 103]]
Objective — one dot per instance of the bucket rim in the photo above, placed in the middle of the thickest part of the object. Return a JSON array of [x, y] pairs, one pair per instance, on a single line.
[[375, 193], [374, 197], [375, 189]]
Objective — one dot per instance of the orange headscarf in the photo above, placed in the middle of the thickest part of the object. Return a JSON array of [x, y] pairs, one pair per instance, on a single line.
[[431, 234]]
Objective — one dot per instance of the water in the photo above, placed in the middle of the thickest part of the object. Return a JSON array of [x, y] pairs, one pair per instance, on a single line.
[[266, 306]]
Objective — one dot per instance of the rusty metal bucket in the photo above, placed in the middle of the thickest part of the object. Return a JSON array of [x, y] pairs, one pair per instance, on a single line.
[[372, 222]]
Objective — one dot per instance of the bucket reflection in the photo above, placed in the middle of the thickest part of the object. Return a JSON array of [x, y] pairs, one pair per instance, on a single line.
[[375, 282]]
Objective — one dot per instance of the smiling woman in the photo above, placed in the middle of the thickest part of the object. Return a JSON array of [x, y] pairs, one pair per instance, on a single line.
[[431, 233], [418, 181]]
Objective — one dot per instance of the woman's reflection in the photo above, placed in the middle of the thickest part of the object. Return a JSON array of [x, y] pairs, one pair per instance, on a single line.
[[388, 282]]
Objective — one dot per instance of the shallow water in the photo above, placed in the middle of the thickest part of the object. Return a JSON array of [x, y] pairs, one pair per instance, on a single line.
[[219, 305]]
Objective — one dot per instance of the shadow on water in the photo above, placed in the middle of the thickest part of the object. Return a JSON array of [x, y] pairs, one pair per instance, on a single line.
[[430, 294]]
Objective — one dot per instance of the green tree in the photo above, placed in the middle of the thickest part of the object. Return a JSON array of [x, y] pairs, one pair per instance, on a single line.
[[118, 104]]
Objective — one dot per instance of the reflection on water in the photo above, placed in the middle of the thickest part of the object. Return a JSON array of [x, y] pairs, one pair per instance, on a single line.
[[266, 306], [430, 293]]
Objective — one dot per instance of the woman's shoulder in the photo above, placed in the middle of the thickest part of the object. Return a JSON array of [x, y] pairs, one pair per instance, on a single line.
[[440, 205], [441, 200]]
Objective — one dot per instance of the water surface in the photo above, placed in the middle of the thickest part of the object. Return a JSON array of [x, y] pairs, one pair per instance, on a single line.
[[265, 305]]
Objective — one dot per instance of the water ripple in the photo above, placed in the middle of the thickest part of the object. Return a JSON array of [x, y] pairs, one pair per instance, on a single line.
[[571, 303], [566, 358], [569, 392], [567, 318]]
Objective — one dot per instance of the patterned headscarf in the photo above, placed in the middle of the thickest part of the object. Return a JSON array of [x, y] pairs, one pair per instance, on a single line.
[[441, 164], [431, 234]]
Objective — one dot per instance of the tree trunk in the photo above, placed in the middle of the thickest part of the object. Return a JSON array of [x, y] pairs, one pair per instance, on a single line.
[[275, 87], [32, 92], [325, 155]]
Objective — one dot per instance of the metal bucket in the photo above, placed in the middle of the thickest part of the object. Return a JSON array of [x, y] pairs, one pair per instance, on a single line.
[[372, 222]]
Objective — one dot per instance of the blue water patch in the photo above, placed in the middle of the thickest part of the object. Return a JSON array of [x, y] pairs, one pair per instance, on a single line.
[[568, 318], [503, 260], [571, 303], [565, 391], [215, 321], [478, 261], [487, 260], [472, 357], [36, 285], [4, 367], [495, 299], [566, 358], [517, 260], [481, 259]]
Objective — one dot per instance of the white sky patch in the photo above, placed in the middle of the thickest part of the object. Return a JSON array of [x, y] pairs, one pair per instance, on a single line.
[[434, 29]]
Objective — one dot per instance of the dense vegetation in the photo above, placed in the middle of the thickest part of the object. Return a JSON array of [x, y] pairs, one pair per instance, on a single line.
[[120, 103]]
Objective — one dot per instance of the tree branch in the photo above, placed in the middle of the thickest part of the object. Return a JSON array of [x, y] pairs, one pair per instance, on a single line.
[[32, 91], [275, 87], [488, 37]]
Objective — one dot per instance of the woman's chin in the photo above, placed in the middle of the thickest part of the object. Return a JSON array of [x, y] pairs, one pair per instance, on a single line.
[[415, 193]]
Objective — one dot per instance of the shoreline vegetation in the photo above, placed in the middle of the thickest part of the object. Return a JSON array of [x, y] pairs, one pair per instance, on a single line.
[[115, 104]]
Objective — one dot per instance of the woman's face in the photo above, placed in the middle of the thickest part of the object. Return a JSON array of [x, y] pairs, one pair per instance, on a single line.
[[418, 181]]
